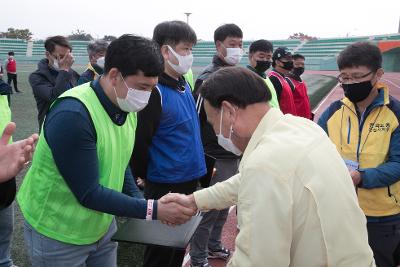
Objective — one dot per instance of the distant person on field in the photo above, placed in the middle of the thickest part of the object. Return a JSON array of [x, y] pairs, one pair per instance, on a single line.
[[260, 57], [96, 51], [11, 67], [299, 87], [282, 63], [1, 71], [54, 75]]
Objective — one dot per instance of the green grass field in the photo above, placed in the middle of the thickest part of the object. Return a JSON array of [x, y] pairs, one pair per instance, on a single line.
[[24, 114]]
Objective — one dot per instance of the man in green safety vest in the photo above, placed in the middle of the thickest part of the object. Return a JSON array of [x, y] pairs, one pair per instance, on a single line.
[[74, 188]]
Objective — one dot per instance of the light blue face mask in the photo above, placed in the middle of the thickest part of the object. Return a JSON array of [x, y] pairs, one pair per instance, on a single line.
[[227, 143]]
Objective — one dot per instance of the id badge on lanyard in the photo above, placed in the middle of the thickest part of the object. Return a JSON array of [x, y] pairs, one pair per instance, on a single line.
[[351, 165]]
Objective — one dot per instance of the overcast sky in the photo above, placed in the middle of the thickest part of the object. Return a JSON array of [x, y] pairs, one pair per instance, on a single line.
[[258, 18]]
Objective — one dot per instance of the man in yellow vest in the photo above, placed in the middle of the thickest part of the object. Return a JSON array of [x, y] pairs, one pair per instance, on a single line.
[[96, 51], [364, 126], [73, 190]]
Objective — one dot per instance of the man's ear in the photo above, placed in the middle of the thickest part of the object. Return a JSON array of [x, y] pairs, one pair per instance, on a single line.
[[165, 52], [379, 73], [113, 75], [229, 109]]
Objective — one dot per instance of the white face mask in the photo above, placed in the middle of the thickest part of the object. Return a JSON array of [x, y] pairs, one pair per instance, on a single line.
[[184, 62], [233, 55], [227, 143], [135, 99], [56, 66], [100, 62]]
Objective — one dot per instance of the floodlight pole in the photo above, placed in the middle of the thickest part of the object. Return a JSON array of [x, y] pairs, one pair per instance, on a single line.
[[187, 16], [398, 31]]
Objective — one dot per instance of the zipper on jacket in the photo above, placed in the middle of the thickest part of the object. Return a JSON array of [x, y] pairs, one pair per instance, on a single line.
[[391, 195], [349, 130]]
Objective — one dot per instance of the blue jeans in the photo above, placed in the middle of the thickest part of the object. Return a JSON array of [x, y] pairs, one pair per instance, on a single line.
[[44, 251], [6, 229]]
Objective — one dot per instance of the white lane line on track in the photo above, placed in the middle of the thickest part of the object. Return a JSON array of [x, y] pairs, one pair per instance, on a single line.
[[325, 98], [392, 83]]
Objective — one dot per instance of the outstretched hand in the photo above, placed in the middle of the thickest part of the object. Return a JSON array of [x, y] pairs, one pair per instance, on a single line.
[[14, 157], [175, 209]]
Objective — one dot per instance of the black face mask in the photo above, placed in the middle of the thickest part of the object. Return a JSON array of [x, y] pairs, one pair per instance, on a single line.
[[287, 65], [262, 66], [298, 71], [357, 92]]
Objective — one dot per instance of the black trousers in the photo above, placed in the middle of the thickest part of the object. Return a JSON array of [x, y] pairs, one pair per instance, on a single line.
[[12, 77], [158, 256], [384, 239]]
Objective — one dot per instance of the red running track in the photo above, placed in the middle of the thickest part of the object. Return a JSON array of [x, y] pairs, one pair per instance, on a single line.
[[229, 233]]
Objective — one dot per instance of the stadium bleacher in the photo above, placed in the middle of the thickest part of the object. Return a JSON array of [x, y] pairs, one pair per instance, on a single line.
[[320, 53]]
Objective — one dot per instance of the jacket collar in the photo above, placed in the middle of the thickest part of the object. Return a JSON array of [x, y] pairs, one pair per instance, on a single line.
[[262, 74], [380, 100], [217, 61], [96, 69], [168, 81], [266, 124]]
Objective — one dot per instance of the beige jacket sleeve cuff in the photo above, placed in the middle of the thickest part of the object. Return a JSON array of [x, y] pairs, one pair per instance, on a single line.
[[219, 196]]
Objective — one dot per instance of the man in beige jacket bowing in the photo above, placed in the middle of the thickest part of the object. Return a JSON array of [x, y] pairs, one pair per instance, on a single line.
[[296, 202]]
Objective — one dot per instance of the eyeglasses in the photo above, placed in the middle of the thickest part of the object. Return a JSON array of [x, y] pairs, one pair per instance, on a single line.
[[352, 79]]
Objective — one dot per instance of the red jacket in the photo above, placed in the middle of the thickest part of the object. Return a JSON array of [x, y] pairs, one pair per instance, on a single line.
[[286, 101], [11, 66], [301, 100]]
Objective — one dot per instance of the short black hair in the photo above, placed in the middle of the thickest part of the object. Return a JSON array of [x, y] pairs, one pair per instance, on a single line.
[[11, 53], [131, 54], [237, 85], [173, 32], [360, 54], [261, 45], [51, 42], [298, 56], [227, 30]]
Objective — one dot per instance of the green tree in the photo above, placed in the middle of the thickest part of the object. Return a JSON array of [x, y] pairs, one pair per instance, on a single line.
[[12, 33], [109, 38], [80, 35], [302, 36]]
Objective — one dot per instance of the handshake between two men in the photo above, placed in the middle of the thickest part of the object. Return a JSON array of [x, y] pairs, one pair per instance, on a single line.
[[175, 209]]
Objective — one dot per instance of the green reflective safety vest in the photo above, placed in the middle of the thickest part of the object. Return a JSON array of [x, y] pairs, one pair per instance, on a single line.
[[189, 78], [274, 98], [46, 201], [5, 114]]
